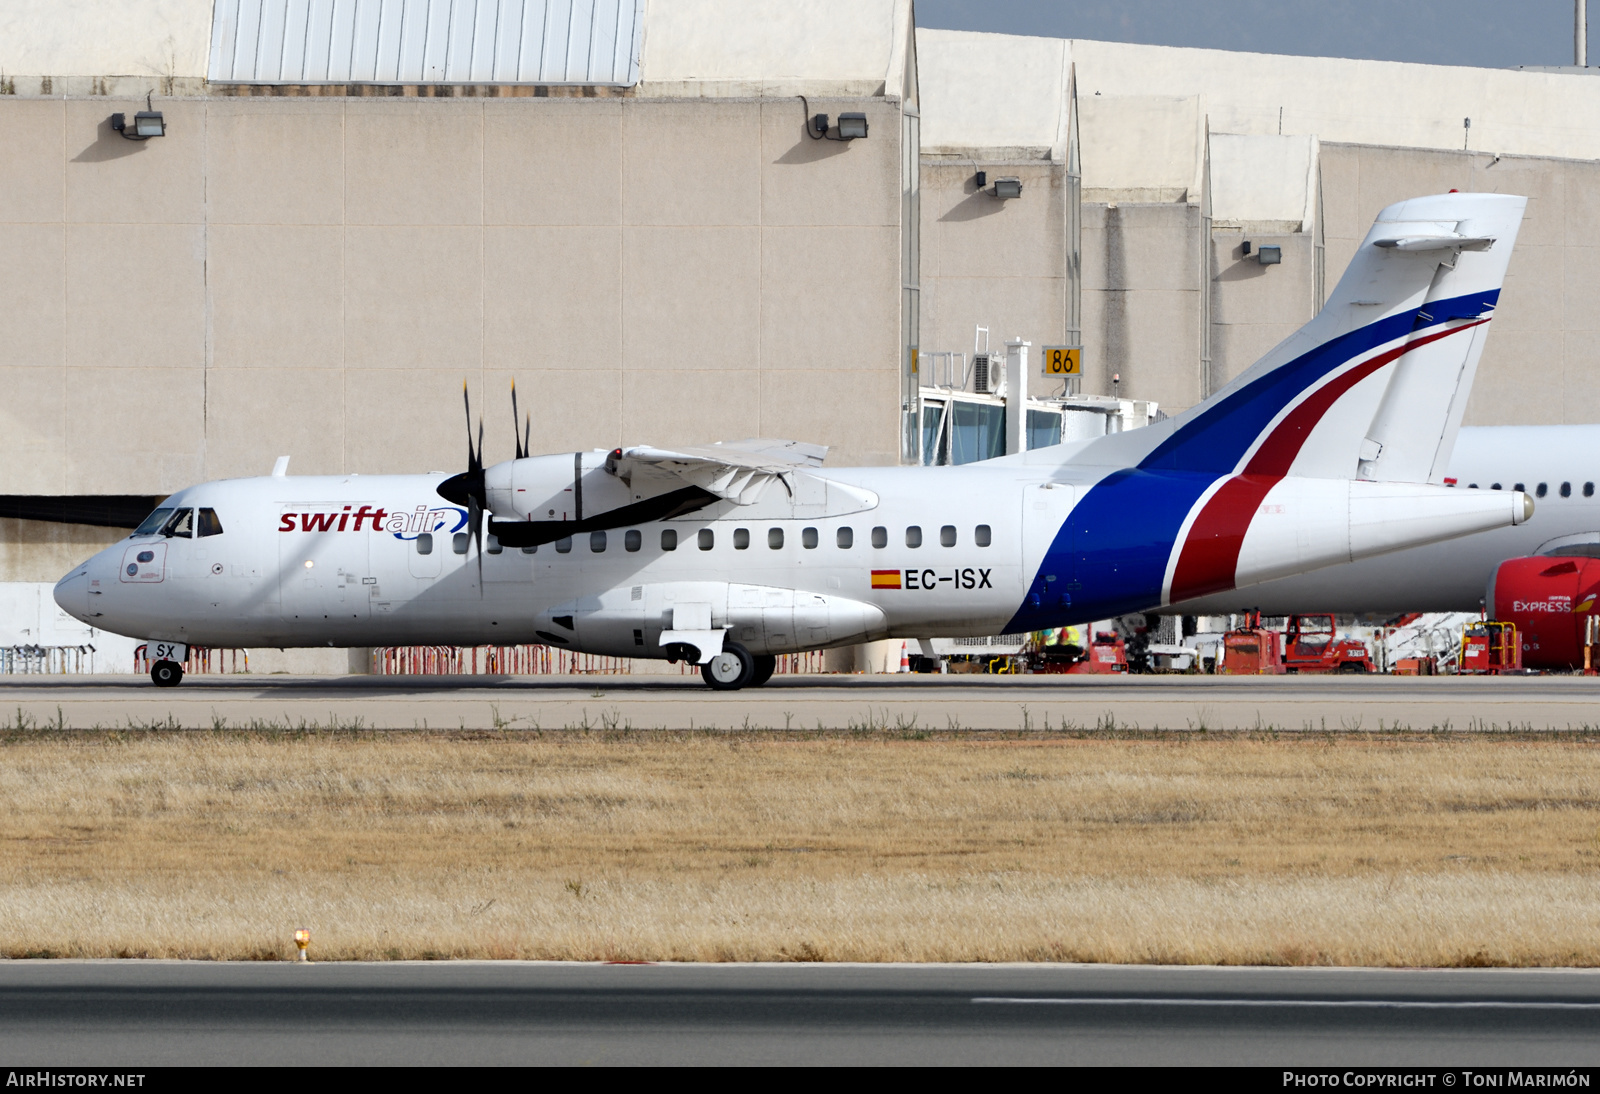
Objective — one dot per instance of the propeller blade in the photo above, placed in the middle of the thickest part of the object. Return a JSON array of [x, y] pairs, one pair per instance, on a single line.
[[475, 518], [521, 453]]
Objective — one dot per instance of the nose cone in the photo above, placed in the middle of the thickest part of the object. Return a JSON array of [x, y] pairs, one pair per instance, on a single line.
[[72, 594]]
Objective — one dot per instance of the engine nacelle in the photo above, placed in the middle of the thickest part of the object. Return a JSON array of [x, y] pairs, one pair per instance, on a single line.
[[569, 486], [1549, 600]]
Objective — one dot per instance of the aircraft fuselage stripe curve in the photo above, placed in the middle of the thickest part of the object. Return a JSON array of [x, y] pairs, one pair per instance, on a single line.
[[1115, 547]]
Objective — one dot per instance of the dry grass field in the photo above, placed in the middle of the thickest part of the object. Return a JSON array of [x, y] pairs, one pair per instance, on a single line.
[[1436, 850]]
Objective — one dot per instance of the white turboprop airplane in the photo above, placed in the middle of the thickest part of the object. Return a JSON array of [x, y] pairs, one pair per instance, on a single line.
[[1329, 449]]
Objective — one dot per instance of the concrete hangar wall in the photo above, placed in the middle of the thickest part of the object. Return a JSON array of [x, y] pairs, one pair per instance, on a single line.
[[356, 207], [1182, 155]]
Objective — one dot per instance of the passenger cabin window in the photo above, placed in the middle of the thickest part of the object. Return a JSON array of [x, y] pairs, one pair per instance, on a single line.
[[741, 539], [632, 540], [1541, 491], [1494, 486], [209, 524], [425, 543], [1518, 486], [808, 538], [669, 539], [947, 536], [181, 523], [1588, 489], [708, 539], [1472, 486], [980, 535], [845, 538], [152, 524], [459, 541], [563, 545], [914, 536], [1566, 491], [597, 542], [491, 543], [775, 538], [531, 550], [880, 536]]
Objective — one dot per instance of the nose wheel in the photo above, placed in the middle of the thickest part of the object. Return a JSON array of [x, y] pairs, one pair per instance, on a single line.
[[166, 674], [731, 669]]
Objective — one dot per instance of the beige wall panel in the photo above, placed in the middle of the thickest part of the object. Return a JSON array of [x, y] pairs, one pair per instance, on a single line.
[[552, 298], [134, 430], [1096, 378], [277, 296], [1152, 247], [665, 407], [1151, 337], [33, 425], [1542, 183], [33, 306], [806, 406], [1341, 192], [1580, 194], [691, 297], [275, 161], [414, 162], [691, 163], [1033, 308], [33, 169], [1579, 398], [1532, 298], [1581, 284], [1337, 254], [982, 236], [112, 180], [1254, 307], [552, 161], [36, 550], [1519, 380], [136, 295], [413, 298], [827, 298], [253, 416], [573, 409], [408, 420], [805, 181]]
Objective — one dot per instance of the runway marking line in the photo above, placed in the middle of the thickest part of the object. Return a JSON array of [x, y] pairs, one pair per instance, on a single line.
[[1396, 1004]]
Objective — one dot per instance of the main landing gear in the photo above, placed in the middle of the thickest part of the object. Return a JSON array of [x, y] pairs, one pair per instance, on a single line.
[[736, 667], [166, 674]]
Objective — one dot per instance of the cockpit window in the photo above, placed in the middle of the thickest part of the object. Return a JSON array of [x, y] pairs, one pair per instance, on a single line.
[[152, 524], [209, 524], [180, 524]]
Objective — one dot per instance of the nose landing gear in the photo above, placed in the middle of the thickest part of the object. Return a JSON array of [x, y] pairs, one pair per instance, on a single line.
[[166, 674], [731, 669]]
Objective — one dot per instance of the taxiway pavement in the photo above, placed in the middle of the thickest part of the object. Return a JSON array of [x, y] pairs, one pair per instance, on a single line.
[[903, 702], [132, 1013]]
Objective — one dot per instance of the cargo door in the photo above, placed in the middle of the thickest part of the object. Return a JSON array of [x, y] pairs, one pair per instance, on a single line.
[[1048, 558]]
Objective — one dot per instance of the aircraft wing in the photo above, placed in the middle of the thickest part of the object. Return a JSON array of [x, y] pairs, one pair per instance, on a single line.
[[739, 471]]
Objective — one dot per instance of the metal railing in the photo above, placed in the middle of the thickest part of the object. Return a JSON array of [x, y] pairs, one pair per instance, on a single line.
[[46, 660]]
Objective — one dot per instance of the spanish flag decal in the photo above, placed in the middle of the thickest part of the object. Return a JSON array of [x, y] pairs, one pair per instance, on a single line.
[[885, 579]]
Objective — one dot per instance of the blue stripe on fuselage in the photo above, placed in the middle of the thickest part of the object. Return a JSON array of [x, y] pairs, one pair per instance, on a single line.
[[1111, 553]]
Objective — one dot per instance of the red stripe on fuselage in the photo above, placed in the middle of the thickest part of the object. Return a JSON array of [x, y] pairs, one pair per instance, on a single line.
[[1210, 556]]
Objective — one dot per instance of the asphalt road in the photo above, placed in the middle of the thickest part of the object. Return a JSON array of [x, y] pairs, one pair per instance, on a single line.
[[1287, 703], [133, 1013]]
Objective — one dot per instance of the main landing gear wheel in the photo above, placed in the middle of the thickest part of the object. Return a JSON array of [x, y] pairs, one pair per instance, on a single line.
[[731, 669], [766, 665], [166, 674]]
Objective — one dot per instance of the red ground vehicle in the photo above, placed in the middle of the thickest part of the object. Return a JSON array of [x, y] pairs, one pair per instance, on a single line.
[[1309, 644], [1490, 647]]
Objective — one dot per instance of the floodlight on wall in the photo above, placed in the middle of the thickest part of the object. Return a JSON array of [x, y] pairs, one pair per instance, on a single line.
[[1007, 188], [146, 124], [851, 127], [1269, 254], [981, 179]]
